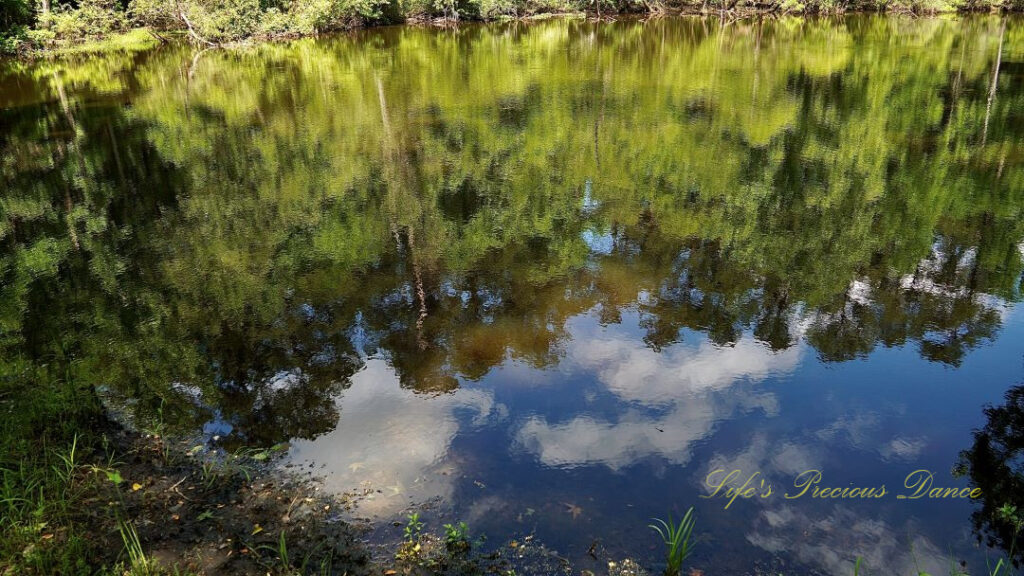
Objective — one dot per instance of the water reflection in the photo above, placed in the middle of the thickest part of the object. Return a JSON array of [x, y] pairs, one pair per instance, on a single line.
[[572, 262], [394, 440], [995, 464], [669, 400], [844, 532], [830, 536]]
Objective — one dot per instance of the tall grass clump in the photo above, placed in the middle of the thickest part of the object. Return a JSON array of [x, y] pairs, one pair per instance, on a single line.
[[43, 476], [677, 539]]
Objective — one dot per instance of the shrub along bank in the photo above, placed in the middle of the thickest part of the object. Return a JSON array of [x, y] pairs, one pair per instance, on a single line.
[[34, 25]]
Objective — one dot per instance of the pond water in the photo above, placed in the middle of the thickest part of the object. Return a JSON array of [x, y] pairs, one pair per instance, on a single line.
[[548, 278]]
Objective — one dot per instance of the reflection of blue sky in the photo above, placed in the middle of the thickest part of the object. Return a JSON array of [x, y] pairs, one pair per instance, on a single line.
[[628, 433], [868, 422], [598, 242]]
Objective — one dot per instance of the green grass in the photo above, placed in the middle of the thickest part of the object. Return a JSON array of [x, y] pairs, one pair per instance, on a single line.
[[57, 473], [278, 561], [136, 40], [677, 540], [39, 502], [138, 563]]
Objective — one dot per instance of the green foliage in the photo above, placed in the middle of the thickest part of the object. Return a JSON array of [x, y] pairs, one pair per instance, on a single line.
[[159, 14], [13, 39], [994, 465], [494, 9], [91, 19], [133, 41], [465, 184], [413, 527], [676, 538], [325, 15], [213, 21], [223, 20], [220, 21], [456, 537], [14, 14], [921, 6]]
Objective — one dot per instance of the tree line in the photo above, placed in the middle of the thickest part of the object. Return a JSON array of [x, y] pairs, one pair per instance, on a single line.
[[27, 25]]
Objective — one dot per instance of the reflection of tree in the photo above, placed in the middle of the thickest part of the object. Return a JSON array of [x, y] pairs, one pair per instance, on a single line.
[[995, 464], [939, 310], [233, 241]]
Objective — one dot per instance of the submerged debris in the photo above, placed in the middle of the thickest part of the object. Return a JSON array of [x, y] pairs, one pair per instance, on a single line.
[[627, 567]]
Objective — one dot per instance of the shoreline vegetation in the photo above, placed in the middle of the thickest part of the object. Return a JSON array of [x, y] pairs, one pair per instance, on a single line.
[[46, 28]]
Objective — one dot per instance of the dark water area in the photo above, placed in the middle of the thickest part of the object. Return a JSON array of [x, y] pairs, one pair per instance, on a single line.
[[555, 278]]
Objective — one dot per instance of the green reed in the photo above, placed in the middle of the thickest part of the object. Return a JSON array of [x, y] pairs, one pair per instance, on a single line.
[[677, 539]]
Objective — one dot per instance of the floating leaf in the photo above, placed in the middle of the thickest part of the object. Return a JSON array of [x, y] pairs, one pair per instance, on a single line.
[[573, 509]]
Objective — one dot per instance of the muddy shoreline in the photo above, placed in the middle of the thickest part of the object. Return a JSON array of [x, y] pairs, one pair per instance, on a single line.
[[201, 510]]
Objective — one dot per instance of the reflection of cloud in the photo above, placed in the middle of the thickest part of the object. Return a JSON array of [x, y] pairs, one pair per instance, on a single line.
[[636, 373], [688, 387], [830, 536], [279, 385], [902, 448], [860, 292], [863, 431], [598, 242], [584, 440], [784, 459], [485, 508], [779, 463], [787, 460], [392, 439], [858, 428], [833, 542]]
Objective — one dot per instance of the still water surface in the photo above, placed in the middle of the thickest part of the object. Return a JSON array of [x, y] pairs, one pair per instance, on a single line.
[[546, 278]]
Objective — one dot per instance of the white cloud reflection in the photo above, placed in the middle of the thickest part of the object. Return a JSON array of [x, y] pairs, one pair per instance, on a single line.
[[392, 439], [832, 541], [672, 398], [827, 536]]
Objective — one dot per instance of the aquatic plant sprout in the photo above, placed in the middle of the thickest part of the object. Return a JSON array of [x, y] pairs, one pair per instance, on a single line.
[[677, 539]]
